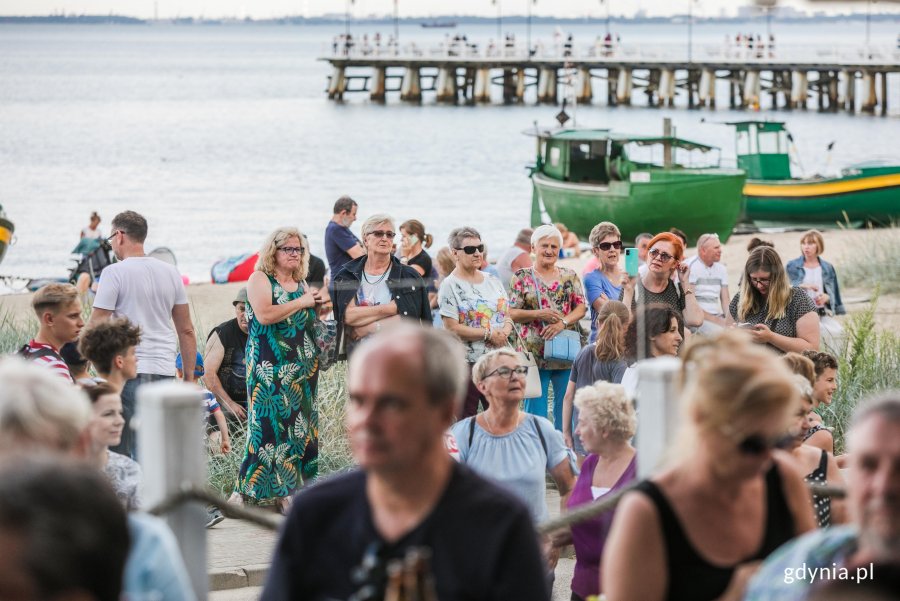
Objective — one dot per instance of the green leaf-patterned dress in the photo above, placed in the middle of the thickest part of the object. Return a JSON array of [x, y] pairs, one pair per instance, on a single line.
[[283, 419]]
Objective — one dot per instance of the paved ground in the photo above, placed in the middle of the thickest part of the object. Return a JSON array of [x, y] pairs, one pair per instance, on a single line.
[[239, 554]]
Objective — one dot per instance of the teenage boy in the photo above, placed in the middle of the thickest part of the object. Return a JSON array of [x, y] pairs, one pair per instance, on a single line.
[[110, 345], [59, 314]]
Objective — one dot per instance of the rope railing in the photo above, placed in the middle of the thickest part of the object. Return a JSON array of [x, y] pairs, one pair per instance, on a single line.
[[189, 493]]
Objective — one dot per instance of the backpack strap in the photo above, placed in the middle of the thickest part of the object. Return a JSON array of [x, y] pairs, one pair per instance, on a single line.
[[537, 428], [471, 430], [27, 353]]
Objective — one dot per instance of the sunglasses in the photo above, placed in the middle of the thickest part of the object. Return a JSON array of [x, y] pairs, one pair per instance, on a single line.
[[757, 444], [507, 372], [471, 250], [383, 234], [662, 256], [607, 245], [293, 250]]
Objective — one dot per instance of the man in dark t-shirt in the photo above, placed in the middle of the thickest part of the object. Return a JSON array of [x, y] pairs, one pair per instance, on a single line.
[[226, 369], [344, 533], [341, 245]]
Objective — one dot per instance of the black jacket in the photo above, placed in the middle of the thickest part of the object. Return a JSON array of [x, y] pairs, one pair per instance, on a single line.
[[407, 287]]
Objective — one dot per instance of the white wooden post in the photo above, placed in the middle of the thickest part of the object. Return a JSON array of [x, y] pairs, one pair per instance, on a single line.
[[170, 450], [658, 411]]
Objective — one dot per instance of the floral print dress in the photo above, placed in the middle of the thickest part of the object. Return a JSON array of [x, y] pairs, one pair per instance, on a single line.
[[282, 421], [563, 295]]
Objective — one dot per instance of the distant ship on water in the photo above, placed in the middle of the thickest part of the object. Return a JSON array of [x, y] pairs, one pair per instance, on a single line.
[[439, 25]]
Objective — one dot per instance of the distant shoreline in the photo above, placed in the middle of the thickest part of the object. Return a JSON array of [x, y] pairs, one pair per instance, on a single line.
[[460, 20]]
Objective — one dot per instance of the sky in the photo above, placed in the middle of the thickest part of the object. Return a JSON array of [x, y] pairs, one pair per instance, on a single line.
[[262, 9]]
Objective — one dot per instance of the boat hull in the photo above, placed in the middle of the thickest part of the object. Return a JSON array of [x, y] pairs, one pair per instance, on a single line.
[[6, 233], [827, 203], [695, 201]]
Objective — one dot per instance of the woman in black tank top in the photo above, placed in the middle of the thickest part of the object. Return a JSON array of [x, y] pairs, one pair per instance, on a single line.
[[697, 530]]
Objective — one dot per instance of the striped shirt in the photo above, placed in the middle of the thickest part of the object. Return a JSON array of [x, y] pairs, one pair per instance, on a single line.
[[46, 356]]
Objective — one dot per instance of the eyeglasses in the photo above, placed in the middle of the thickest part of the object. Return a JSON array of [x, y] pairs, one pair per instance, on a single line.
[[761, 281], [757, 444], [383, 234], [471, 250], [607, 245], [662, 256], [507, 372], [113, 235], [293, 250]]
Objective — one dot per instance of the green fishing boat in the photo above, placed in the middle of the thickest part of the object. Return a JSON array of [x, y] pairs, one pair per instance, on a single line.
[[6, 233], [585, 176], [865, 193]]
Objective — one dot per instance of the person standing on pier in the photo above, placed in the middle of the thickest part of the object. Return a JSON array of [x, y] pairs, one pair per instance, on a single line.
[[341, 246]]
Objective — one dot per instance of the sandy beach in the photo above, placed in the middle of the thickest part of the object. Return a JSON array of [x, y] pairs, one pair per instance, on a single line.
[[211, 303]]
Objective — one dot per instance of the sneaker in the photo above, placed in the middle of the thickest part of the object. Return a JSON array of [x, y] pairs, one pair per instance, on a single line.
[[213, 517]]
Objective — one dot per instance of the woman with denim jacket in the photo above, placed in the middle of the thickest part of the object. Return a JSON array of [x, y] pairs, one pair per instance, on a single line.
[[376, 289], [815, 275]]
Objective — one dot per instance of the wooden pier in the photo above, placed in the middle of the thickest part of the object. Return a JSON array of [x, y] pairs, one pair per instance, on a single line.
[[830, 78]]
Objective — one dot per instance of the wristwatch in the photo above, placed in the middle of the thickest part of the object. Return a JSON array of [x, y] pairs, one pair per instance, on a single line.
[[565, 323]]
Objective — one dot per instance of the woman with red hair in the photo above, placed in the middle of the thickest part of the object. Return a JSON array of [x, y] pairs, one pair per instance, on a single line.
[[656, 286]]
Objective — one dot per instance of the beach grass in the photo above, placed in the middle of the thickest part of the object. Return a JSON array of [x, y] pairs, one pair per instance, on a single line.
[[868, 362], [874, 264], [14, 332]]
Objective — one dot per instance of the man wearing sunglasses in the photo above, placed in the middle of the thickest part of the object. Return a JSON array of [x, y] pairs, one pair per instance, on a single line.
[[852, 553], [151, 295]]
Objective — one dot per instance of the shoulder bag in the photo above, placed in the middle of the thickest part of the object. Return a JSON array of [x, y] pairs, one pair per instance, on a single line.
[[533, 388], [565, 345]]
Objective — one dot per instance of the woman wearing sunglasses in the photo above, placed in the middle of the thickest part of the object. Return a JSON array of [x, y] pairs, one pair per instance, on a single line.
[[547, 299], [606, 281], [775, 313], [511, 447], [728, 498], [473, 306], [376, 289], [656, 285]]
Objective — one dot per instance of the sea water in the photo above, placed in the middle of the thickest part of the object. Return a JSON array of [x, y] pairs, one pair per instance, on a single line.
[[218, 134]]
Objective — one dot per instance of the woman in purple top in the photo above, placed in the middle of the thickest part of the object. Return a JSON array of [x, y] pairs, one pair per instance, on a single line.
[[606, 424]]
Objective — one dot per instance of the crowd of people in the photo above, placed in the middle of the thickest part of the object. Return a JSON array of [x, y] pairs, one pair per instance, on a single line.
[[470, 387]]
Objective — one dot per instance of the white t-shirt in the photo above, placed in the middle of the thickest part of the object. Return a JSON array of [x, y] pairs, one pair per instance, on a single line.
[[708, 283], [145, 290], [87, 232], [813, 275]]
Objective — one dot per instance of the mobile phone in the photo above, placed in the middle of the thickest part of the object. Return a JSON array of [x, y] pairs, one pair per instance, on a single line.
[[745, 325], [631, 261]]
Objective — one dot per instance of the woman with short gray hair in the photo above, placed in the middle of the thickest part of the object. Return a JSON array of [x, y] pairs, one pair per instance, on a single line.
[[547, 299], [376, 289], [473, 306]]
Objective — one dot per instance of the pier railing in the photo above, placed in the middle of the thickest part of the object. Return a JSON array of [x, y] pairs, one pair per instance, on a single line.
[[761, 54]]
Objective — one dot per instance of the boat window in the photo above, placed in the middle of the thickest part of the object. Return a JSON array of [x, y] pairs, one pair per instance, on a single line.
[[743, 143], [769, 143], [554, 156]]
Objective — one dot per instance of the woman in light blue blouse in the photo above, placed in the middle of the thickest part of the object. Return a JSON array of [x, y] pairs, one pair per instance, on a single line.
[[511, 447]]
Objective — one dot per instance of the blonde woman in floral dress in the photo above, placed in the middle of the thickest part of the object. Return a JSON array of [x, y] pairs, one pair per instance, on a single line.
[[282, 370], [547, 299]]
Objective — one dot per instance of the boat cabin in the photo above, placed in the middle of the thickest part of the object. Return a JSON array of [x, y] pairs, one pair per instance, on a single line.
[[597, 156], [762, 149]]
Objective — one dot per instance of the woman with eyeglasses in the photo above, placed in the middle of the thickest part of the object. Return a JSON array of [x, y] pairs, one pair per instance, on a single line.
[[511, 447], [656, 285], [547, 299], [473, 306], [281, 376], [775, 313], [605, 282], [376, 289], [728, 497]]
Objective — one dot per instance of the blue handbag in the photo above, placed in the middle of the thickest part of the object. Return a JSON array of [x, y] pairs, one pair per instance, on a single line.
[[565, 345]]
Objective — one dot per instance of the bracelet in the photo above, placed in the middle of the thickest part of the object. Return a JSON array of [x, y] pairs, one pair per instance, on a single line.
[[487, 334], [688, 291]]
